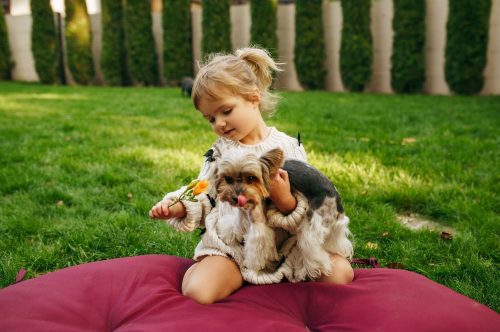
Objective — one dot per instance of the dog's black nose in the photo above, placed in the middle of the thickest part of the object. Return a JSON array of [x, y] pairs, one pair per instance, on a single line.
[[235, 200]]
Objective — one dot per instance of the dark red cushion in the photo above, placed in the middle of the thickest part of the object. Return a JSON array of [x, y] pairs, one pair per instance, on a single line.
[[143, 294]]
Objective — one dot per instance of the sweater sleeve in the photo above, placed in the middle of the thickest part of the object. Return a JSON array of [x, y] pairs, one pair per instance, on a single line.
[[291, 221], [195, 211]]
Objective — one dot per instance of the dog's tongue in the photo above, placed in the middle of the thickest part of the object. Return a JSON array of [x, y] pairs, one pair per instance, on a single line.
[[242, 200]]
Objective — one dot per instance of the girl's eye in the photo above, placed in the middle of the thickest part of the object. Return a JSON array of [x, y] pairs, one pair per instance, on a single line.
[[227, 112], [211, 120], [228, 179]]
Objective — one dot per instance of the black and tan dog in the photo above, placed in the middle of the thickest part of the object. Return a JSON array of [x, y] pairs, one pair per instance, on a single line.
[[243, 181]]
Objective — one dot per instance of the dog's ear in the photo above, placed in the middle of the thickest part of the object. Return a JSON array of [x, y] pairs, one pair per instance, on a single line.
[[273, 160]]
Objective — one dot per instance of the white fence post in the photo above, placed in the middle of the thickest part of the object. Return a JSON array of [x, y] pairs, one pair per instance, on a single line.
[[492, 69], [436, 18], [287, 79], [332, 27], [240, 24], [381, 13]]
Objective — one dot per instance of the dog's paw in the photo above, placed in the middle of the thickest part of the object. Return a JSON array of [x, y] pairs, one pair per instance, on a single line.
[[299, 274], [254, 262]]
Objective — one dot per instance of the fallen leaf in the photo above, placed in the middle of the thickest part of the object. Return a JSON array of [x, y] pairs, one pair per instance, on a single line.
[[59, 203], [446, 236], [130, 195], [408, 140], [385, 234], [371, 246], [396, 265]]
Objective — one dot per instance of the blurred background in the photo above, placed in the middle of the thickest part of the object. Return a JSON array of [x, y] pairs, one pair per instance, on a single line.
[[383, 46]]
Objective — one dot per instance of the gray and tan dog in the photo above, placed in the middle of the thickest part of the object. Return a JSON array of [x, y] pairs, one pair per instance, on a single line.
[[243, 181]]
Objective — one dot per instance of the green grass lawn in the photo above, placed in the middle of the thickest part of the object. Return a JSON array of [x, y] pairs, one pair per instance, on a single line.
[[80, 168]]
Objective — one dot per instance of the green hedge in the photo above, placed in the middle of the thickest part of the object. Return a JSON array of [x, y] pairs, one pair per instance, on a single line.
[[356, 47], [408, 57], [466, 45], [141, 53], [216, 26], [309, 44], [178, 53], [5, 56], [78, 41], [264, 23], [114, 54], [44, 41]]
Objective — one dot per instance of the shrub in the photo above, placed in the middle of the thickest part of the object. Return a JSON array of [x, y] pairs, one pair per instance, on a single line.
[[408, 57], [5, 57], [309, 44], [141, 53], [356, 45], [78, 41], [178, 53], [466, 45], [44, 41], [216, 26], [114, 55], [264, 23]]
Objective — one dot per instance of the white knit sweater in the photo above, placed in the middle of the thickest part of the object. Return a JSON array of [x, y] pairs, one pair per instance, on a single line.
[[225, 227]]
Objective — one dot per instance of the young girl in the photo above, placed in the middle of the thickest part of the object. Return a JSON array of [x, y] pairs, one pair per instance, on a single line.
[[232, 93]]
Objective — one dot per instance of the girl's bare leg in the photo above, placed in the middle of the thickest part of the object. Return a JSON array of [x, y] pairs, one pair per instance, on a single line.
[[342, 271], [212, 279]]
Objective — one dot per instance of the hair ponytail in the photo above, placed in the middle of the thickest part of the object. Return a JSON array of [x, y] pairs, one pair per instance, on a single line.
[[261, 64]]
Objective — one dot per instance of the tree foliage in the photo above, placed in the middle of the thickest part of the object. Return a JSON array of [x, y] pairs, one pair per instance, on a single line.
[[5, 56], [264, 24], [309, 44], [408, 57], [78, 41], [178, 52], [216, 26], [466, 45], [44, 41], [114, 52], [356, 46], [141, 53]]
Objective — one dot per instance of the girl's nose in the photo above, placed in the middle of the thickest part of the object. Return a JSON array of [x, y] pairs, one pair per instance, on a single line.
[[220, 123]]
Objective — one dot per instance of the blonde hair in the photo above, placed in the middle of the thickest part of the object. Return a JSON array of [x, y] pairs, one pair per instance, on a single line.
[[242, 73]]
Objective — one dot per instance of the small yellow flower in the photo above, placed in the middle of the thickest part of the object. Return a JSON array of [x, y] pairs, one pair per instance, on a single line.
[[200, 187], [371, 246]]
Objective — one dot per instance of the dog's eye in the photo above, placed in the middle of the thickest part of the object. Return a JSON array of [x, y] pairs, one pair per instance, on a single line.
[[251, 179], [228, 179]]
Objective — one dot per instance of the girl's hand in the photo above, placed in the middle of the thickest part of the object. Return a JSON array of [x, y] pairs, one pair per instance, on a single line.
[[280, 192], [162, 210]]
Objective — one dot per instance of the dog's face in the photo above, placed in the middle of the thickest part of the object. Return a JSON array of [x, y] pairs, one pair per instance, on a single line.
[[243, 181]]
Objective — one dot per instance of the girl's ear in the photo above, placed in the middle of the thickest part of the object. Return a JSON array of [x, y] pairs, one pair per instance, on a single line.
[[255, 98]]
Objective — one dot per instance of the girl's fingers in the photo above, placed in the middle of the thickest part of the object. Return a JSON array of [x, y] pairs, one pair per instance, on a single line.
[[163, 211], [283, 174], [160, 210], [155, 211]]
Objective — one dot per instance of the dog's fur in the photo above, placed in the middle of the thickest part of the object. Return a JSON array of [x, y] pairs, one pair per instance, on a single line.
[[244, 182]]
